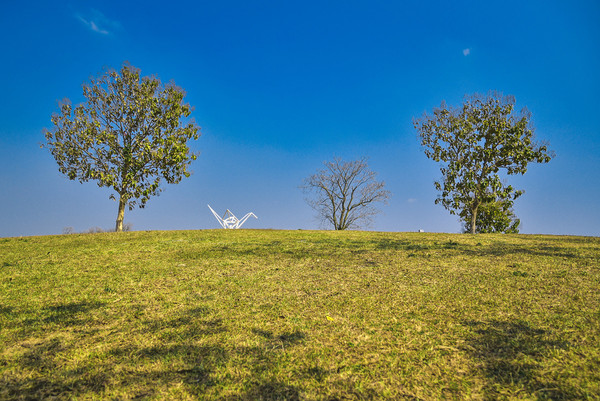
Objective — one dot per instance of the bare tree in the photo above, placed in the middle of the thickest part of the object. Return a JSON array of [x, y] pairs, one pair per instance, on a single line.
[[344, 193]]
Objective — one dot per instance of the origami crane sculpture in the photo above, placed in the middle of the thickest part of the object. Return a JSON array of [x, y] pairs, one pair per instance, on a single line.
[[229, 220]]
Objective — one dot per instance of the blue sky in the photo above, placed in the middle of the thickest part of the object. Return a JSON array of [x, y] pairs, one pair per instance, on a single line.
[[279, 87]]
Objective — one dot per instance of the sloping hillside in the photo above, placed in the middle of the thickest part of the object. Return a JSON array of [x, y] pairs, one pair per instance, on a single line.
[[290, 315]]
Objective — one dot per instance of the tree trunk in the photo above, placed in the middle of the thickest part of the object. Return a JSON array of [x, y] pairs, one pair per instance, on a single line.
[[474, 221], [121, 214]]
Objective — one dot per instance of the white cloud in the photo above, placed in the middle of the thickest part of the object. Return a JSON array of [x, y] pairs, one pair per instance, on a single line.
[[466, 52], [97, 22], [411, 200], [92, 25]]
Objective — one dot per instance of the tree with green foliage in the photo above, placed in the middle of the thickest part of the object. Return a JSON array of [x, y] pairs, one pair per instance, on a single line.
[[128, 135], [474, 143]]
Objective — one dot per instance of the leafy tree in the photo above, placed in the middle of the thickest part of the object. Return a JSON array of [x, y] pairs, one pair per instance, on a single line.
[[474, 143], [128, 135], [493, 217], [344, 193]]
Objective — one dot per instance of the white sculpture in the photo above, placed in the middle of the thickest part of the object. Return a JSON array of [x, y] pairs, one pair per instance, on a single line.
[[229, 220]]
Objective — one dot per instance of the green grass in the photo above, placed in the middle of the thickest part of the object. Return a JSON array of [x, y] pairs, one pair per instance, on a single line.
[[299, 315]]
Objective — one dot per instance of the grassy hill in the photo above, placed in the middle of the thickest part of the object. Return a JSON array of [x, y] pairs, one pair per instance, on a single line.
[[299, 315]]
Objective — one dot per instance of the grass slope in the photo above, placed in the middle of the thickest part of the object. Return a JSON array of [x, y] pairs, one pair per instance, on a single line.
[[299, 315]]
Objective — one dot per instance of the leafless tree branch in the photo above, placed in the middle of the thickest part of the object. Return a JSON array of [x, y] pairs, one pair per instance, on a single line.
[[343, 193]]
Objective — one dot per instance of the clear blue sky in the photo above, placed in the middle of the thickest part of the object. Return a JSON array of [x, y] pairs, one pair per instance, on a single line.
[[280, 86]]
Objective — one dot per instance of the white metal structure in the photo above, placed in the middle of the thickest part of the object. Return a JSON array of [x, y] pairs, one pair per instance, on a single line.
[[229, 220]]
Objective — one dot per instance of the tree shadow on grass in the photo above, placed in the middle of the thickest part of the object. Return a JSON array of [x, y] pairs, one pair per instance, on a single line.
[[183, 350], [41, 351], [406, 245], [6, 310], [495, 249], [64, 315], [287, 338], [199, 363], [70, 314], [194, 367], [261, 385], [47, 343], [500, 249], [269, 391], [510, 355]]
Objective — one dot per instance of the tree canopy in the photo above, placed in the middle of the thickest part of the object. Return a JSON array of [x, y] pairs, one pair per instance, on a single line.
[[475, 143], [128, 135], [344, 193]]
